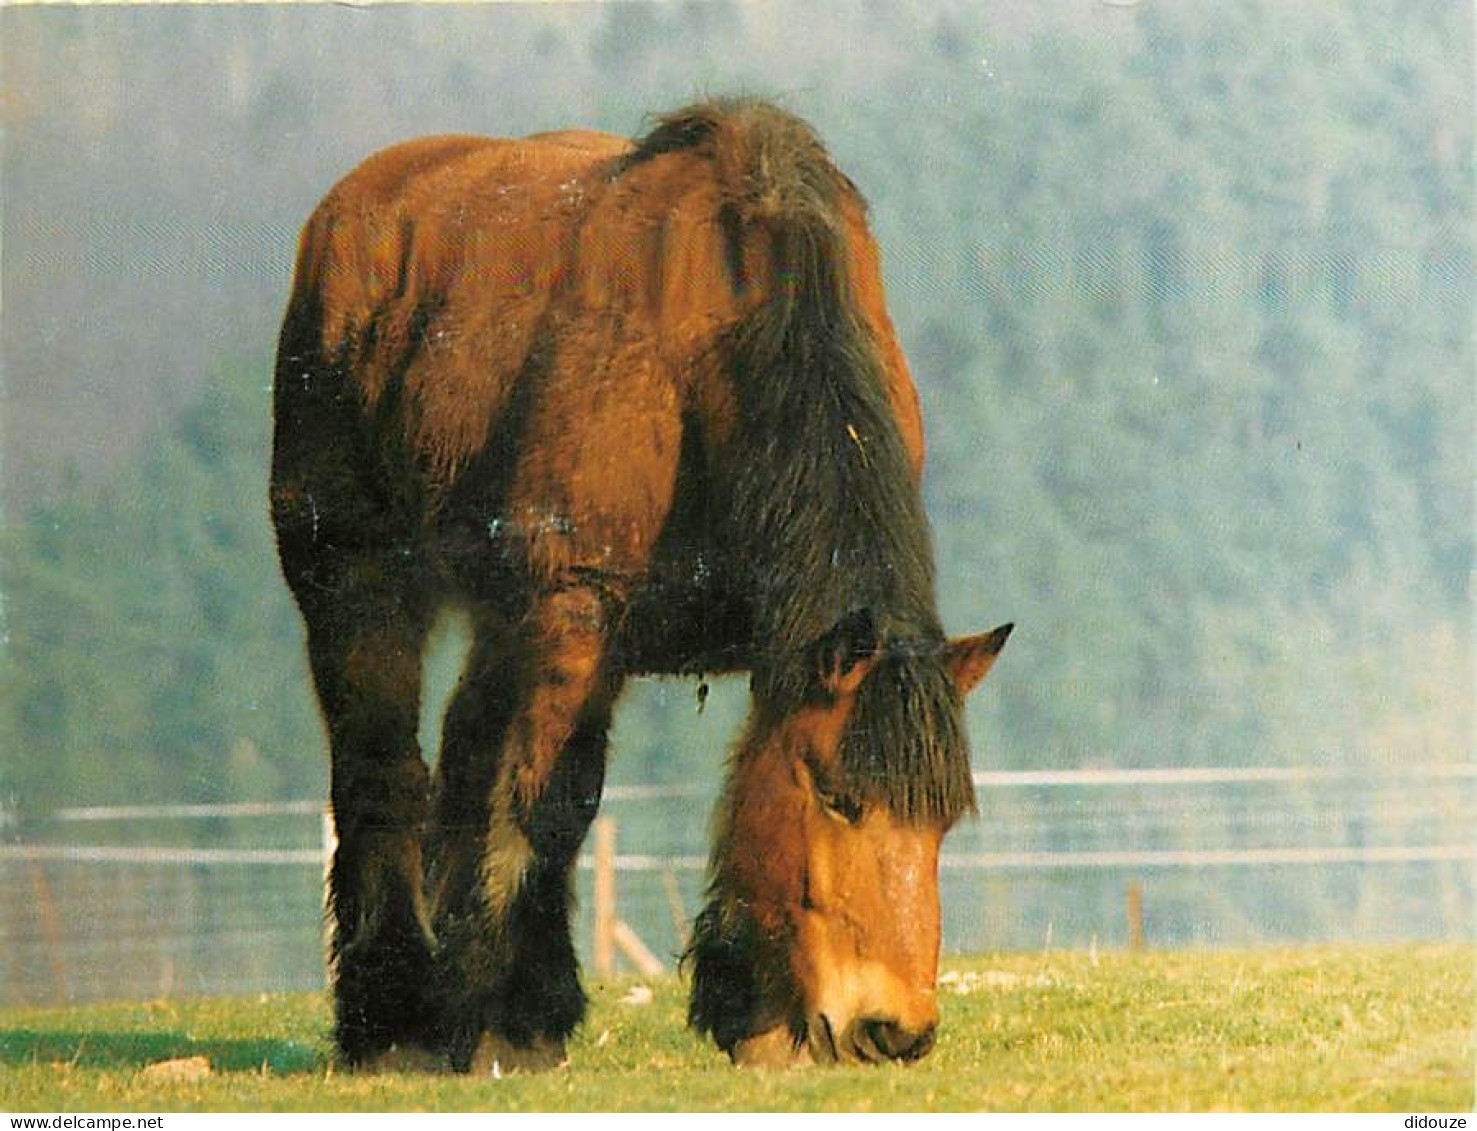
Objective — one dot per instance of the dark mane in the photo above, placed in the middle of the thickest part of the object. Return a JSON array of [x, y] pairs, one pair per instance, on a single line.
[[823, 512], [687, 128]]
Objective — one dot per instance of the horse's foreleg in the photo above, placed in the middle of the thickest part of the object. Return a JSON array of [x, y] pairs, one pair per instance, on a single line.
[[510, 969], [367, 667], [472, 736]]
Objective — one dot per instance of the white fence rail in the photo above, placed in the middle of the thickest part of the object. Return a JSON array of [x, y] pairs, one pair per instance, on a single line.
[[1214, 854], [984, 779], [991, 780], [1211, 858]]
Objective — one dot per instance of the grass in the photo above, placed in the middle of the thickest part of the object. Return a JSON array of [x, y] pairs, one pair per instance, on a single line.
[[1327, 1028]]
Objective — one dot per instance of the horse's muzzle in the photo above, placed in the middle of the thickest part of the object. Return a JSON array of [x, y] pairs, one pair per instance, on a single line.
[[876, 1039], [868, 1040]]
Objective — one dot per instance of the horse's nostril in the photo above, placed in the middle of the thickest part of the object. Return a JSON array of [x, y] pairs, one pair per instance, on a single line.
[[880, 1039], [922, 1044]]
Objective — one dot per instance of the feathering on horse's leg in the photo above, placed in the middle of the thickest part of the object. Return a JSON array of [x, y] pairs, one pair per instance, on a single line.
[[511, 980], [366, 659], [542, 1001]]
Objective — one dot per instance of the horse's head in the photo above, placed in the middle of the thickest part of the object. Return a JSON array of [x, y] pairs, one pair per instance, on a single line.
[[821, 940]]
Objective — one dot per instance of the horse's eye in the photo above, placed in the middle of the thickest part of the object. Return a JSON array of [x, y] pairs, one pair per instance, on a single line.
[[841, 805]]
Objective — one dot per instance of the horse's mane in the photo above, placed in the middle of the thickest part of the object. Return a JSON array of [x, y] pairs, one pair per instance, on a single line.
[[821, 504]]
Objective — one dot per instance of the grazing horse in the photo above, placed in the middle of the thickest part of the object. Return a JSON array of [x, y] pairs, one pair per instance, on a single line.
[[638, 408]]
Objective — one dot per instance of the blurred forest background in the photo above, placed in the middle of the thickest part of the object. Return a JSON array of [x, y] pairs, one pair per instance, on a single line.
[[1186, 285]]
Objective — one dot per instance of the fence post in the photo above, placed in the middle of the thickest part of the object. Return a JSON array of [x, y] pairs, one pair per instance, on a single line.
[[604, 897], [680, 923], [329, 832], [1135, 917], [51, 929], [635, 950]]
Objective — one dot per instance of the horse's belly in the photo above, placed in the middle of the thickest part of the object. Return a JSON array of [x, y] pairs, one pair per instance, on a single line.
[[684, 624]]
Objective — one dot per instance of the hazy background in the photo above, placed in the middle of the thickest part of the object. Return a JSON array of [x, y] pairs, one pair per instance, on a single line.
[[1187, 288]]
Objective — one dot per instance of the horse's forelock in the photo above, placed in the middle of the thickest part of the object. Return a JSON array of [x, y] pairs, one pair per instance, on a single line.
[[904, 745]]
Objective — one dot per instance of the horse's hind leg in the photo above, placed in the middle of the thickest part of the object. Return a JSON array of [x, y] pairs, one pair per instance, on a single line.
[[509, 977], [365, 649]]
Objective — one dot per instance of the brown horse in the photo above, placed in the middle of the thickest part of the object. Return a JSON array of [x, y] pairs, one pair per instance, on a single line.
[[638, 408]]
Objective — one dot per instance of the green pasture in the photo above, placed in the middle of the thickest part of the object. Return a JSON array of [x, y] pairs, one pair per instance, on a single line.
[[1318, 1028]]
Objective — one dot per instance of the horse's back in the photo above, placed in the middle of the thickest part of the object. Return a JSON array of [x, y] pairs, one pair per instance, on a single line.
[[539, 328], [436, 192], [427, 271], [401, 225]]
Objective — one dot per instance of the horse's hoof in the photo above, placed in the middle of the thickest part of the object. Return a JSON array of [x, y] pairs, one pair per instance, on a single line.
[[774, 1048], [498, 1056], [402, 1058]]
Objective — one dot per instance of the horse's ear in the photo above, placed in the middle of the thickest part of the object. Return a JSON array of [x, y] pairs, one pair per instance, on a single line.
[[970, 658], [847, 652]]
